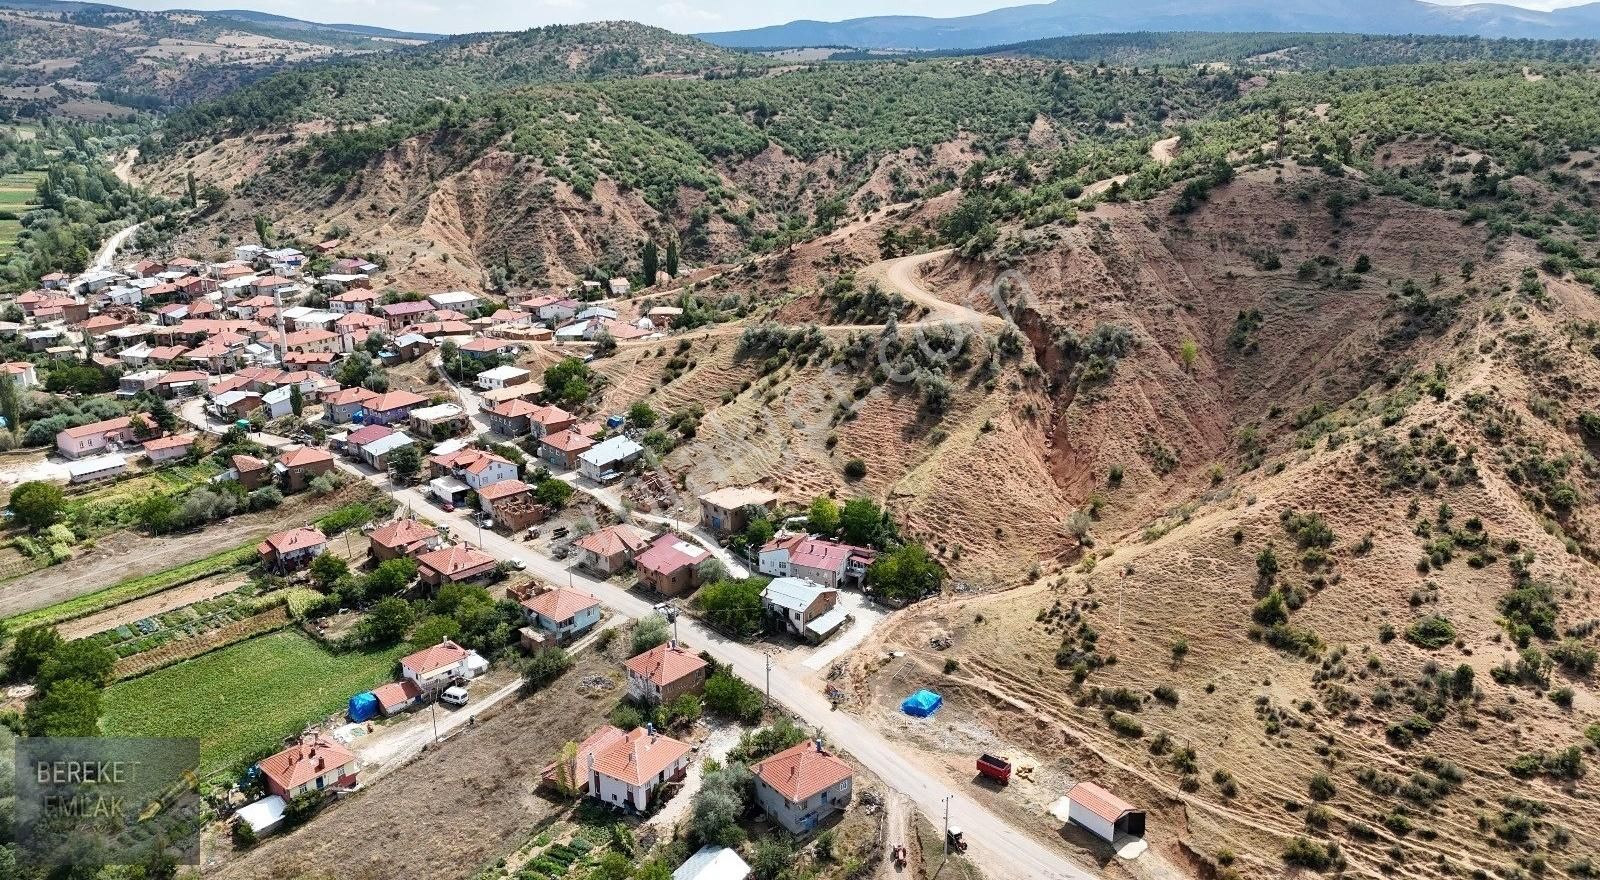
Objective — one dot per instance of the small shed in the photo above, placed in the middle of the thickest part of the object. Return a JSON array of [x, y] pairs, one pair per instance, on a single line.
[[922, 703], [263, 816], [363, 706], [1103, 813], [713, 863]]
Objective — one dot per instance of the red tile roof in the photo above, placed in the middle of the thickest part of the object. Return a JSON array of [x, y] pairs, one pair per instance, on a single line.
[[120, 423], [408, 308], [402, 533], [560, 604], [665, 664], [551, 415], [305, 455], [567, 441], [351, 395], [368, 434], [503, 489], [306, 337], [446, 653], [515, 408], [638, 757], [485, 345], [246, 463], [396, 693], [455, 562], [1098, 801], [293, 539], [616, 539], [178, 377], [392, 400], [308, 357], [305, 761], [802, 771], [669, 553], [172, 442]]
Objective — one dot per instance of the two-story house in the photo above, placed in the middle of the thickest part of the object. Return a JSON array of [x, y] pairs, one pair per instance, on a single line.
[[562, 612], [433, 668], [801, 786], [665, 673]]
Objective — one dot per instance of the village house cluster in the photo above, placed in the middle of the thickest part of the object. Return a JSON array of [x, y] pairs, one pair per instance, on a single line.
[[258, 336]]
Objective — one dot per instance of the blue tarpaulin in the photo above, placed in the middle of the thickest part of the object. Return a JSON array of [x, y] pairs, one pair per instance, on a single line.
[[922, 703], [363, 706]]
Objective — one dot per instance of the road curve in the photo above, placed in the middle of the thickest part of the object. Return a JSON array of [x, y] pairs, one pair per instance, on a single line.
[[108, 251]]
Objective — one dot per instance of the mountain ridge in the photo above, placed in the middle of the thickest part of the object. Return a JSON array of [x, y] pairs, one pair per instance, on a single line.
[[1014, 24]]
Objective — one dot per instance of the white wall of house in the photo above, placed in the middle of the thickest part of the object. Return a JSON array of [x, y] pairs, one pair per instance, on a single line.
[[618, 793], [1082, 815], [774, 562], [582, 620], [494, 473]]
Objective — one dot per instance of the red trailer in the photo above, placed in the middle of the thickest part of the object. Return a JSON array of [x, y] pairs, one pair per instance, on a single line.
[[996, 768]]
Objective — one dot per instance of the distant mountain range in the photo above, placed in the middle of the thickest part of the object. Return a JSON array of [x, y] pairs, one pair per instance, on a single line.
[[279, 23], [1064, 17]]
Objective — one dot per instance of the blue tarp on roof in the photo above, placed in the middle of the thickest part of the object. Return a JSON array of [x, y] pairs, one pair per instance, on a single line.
[[363, 706], [922, 703]]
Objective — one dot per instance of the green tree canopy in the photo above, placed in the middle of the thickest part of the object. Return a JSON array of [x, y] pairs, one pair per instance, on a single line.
[[37, 504]]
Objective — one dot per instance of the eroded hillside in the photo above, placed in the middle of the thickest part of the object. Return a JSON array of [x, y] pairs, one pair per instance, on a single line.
[[1337, 605]]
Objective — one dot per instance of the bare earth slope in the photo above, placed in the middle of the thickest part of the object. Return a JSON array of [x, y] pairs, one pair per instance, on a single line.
[[1402, 439]]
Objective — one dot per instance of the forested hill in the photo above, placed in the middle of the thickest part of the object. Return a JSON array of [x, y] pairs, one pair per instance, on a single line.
[[395, 84]]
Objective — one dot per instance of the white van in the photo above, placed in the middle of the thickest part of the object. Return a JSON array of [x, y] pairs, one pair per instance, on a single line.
[[454, 696]]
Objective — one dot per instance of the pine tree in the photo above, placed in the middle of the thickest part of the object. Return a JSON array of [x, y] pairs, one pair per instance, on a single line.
[[651, 263], [263, 231], [672, 258], [297, 401], [194, 196]]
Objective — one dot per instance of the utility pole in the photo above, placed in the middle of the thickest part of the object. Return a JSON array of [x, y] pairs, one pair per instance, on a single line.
[[433, 709], [769, 679], [947, 824]]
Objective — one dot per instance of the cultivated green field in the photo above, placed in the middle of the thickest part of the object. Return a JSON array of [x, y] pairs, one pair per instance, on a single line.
[[19, 191], [17, 194], [242, 700]]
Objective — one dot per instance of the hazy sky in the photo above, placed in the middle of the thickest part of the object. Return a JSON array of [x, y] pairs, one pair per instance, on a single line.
[[684, 16]]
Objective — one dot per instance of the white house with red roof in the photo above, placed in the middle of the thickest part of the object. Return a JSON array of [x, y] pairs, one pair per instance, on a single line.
[[563, 612], [818, 560], [396, 696], [1103, 813], [436, 666], [97, 437], [477, 468], [625, 772], [665, 673], [315, 763], [801, 786], [21, 374], [292, 548], [168, 448]]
